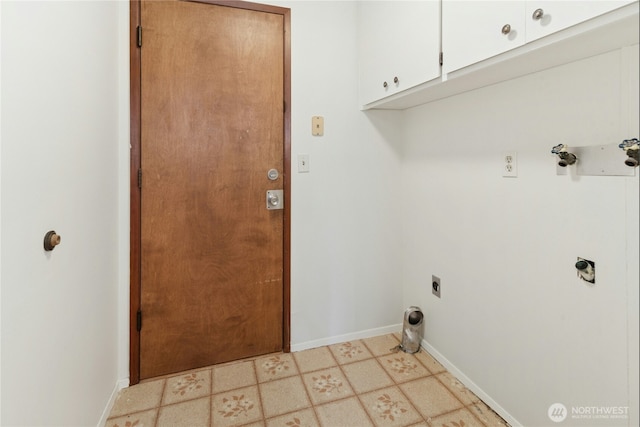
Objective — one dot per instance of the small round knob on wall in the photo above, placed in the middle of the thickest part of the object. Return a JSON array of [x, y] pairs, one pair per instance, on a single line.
[[384, 85], [51, 240], [506, 29], [395, 80], [537, 14]]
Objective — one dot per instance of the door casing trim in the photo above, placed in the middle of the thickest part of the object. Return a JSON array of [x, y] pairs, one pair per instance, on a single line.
[[135, 73]]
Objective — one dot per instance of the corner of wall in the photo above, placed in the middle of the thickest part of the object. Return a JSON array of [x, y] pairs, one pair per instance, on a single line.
[[631, 108], [123, 190], [468, 383], [120, 384]]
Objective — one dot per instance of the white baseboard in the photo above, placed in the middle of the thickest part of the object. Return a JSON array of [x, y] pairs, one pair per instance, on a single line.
[[123, 383], [470, 384], [347, 337]]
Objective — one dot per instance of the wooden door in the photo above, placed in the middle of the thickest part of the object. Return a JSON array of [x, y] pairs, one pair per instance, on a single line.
[[212, 125]]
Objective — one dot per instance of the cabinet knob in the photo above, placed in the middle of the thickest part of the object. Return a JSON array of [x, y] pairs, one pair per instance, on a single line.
[[395, 80], [506, 29], [537, 14], [384, 85]]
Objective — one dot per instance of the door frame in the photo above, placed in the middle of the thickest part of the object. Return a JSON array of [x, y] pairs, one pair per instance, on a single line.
[[135, 73]]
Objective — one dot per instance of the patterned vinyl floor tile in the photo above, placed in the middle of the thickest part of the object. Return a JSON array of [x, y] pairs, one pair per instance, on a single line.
[[357, 383]]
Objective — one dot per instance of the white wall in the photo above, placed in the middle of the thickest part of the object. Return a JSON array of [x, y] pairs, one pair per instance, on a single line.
[[124, 209], [513, 316], [345, 261], [633, 231], [0, 214], [60, 141]]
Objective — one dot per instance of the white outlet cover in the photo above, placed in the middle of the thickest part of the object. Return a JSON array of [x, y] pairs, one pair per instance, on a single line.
[[509, 164]]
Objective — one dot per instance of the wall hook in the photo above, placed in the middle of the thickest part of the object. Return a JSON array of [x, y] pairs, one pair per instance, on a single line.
[[564, 157], [630, 146], [51, 240]]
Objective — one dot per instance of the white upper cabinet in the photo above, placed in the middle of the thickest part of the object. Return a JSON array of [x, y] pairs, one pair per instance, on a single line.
[[477, 30], [398, 46], [483, 42], [474, 30], [546, 17]]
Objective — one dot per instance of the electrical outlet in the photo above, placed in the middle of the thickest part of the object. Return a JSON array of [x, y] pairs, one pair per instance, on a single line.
[[435, 286], [509, 164]]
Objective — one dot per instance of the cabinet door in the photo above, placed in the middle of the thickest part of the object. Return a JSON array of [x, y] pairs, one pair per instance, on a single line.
[[399, 43], [374, 50], [557, 15], [473, 30]]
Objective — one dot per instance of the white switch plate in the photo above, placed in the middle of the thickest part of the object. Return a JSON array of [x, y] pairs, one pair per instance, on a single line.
[[509, 164], [303, 163]]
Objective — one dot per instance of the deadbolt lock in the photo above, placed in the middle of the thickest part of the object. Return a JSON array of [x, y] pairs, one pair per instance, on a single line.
[[273, 174], [275, 199]]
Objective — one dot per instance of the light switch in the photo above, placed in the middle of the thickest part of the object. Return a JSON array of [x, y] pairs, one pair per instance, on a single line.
[[317, 125], [303, 163]]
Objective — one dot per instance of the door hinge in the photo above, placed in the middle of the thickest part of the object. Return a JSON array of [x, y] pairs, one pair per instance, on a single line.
[[139, 321], [441, 58], [140, 178], [139, 36]]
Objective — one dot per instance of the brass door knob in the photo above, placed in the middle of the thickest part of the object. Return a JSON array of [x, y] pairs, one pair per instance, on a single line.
[[51, 240]]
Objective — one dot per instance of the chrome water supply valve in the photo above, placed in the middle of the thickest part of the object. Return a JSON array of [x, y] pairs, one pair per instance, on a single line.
[[565, 158], [631, 146]]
